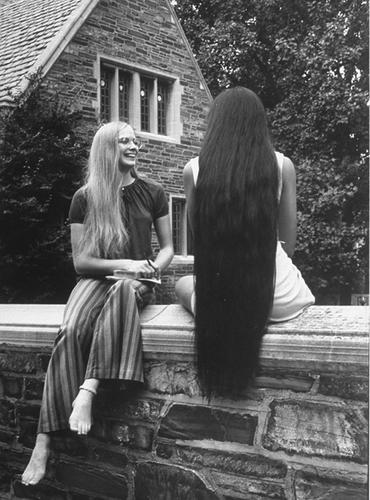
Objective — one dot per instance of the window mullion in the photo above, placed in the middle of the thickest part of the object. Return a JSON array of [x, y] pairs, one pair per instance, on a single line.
[[115, 96], [184, 237], [154, 108], [134, 104]]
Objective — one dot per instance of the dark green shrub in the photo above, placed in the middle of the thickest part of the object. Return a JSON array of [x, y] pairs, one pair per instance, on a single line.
[[41, 157], [308, 60]]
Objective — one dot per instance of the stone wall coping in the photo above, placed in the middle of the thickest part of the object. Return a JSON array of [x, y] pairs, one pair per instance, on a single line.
[[328, 336]]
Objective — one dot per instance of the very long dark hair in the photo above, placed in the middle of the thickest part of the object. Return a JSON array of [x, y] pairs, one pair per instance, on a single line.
[[235, 236]]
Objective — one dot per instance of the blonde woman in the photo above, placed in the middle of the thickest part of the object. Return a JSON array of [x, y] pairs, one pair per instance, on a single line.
[[111, 220]]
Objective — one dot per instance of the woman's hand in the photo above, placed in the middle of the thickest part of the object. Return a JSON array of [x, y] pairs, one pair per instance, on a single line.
[[144, 293], [143, 267]]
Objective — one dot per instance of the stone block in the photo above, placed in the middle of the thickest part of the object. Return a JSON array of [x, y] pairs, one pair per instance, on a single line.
[[117, 432], [171, 378], [28, 409], [92, 480], [349, 387], [154, 481], [18, 362], [7, 436], [42, 491], [316, 429], [204, 422], [311, 487], [70, 444], [233, 462], [33, 388], [124, 406], [13, 458], [275, 379], [5, 478], [7, 413], [27, 432], [245, 488], [108, 454], [12, 386], [43, 361]]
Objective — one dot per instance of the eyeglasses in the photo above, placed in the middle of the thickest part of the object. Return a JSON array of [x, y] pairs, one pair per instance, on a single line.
[[126, 141]]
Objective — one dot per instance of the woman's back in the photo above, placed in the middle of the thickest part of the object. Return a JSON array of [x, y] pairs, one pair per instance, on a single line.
[[235, 235], [240, 194]]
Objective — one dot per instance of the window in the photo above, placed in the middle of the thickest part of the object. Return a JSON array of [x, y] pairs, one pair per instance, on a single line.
[[182, 240], [145, 98], [162, 98], [106, 79], [150, 102], [123, 97]]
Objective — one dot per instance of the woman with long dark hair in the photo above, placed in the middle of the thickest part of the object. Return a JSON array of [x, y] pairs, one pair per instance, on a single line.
[[111, 220], [242, 210]]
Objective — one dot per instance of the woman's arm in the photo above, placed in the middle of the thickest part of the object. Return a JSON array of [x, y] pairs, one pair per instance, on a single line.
[[88, 265], [288, 208], [165, 255], [189, 188]]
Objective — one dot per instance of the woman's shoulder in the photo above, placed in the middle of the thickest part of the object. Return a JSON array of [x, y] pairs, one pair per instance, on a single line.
[[77, 209], [191, 169], [150, 184], [279, 159], [155, 194], [80, 194], [287, 175], [192, 164], [283, 161]]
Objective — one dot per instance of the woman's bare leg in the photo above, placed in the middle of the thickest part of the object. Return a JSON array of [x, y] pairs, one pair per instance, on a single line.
[[80, 420], [185, 292], [36, 468]]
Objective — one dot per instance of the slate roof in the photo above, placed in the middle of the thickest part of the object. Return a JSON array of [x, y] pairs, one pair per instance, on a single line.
[[27, 29], [33, 33]]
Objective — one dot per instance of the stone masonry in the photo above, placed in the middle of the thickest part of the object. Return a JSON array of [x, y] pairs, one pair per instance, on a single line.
[[300, 433]]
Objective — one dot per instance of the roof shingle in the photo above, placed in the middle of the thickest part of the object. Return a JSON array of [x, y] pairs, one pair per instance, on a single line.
[[27, 28]]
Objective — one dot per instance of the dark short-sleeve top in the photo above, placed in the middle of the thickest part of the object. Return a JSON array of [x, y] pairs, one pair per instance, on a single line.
[[145, 201]]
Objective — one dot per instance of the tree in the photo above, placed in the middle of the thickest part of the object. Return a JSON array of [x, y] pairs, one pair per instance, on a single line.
[[41, 157], [308, 61]]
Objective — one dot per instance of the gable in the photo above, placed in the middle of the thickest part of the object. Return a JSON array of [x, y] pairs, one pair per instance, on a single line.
[[32, 33]]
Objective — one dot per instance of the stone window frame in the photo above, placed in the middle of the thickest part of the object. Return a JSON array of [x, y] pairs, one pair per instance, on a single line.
[[175, 90], [183, 229]]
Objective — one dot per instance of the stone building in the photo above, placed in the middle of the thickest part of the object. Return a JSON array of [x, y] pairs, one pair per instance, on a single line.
[[125, 59]]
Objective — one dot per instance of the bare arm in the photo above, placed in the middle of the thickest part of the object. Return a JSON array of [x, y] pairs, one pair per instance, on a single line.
[[88, 265], [288, 208], [189, 188], [163, 230]]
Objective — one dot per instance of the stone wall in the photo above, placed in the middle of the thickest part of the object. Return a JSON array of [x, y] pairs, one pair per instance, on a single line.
[[147, 34], [300, 433]]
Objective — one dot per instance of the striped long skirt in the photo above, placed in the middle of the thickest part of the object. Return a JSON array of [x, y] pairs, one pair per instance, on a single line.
[[100, 338]]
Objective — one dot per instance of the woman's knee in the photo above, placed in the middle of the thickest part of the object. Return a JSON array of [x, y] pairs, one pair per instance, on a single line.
[[184, 290]]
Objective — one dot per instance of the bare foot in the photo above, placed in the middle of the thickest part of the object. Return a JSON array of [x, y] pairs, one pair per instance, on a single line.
[[80, 420], [36, 468]]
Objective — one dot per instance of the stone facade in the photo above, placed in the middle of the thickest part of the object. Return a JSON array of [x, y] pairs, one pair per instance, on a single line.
[[300, 433], [141, 35], [146, 34]]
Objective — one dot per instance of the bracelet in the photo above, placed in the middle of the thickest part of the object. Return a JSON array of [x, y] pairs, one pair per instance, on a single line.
[[92, 391]]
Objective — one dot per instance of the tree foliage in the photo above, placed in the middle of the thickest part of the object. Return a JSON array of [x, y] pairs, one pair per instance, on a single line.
[[40, 166], [308, 61]]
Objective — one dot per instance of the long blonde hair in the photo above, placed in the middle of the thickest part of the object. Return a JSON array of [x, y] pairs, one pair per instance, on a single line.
[[105, 234]]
